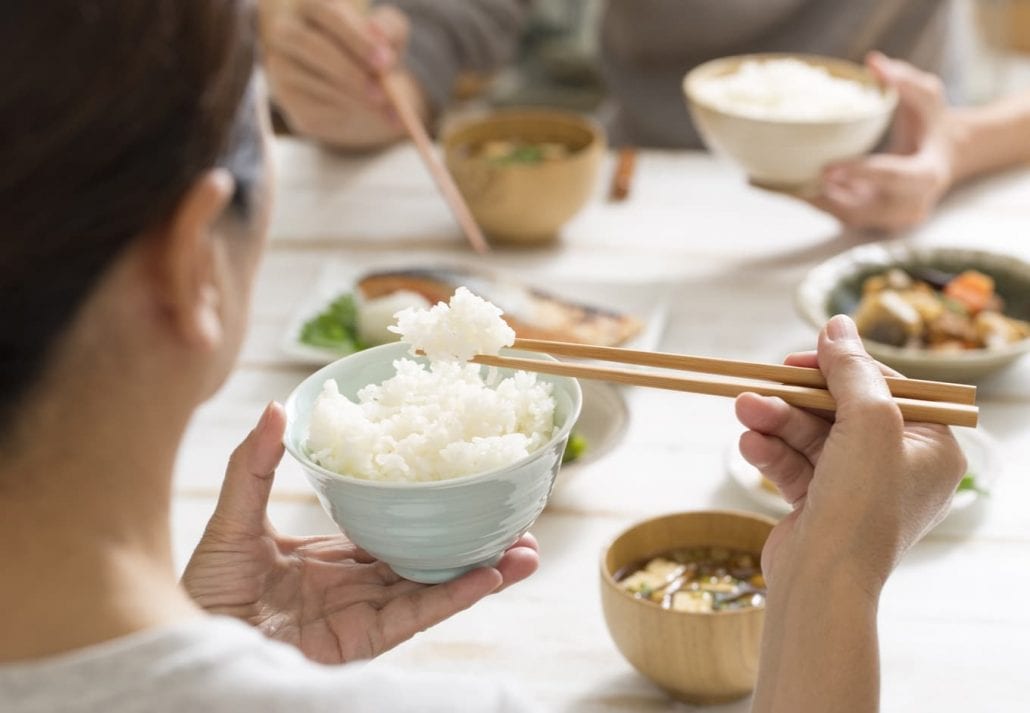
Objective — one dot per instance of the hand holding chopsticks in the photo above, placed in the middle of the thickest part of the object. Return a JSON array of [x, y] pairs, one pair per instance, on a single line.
[[925, 401]]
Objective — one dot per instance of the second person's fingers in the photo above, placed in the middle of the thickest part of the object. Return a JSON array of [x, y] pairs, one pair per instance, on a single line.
[[350, 31], [801, 430], [312, 52], [855, 380], [788, 469]]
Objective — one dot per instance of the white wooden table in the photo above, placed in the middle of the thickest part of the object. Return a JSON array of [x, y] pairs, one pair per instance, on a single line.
[[955, 627]]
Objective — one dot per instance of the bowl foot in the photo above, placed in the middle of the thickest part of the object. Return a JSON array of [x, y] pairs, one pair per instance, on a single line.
[[436, 576], [798, 190]]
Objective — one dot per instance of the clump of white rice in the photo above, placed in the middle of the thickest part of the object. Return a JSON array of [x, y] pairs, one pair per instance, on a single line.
[[789, 90], [457, 331], [438, 421]]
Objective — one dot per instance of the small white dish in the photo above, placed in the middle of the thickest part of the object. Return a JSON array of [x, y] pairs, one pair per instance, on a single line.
[[981, 454]]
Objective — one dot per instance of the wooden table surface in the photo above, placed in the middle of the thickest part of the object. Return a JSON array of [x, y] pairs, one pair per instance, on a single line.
[[955, 629]]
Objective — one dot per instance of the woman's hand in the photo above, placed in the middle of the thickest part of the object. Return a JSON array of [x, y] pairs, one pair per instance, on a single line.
[[865, 486], [896, 190], [323, 594], [323, 63]]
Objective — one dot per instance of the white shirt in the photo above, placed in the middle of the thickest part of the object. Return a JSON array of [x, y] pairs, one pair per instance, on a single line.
[[215, 664]]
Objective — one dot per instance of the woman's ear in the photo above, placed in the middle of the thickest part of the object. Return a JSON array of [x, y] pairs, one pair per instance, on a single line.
[[187, 261]]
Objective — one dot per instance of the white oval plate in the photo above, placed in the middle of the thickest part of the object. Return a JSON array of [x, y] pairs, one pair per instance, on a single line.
[[981, 454]]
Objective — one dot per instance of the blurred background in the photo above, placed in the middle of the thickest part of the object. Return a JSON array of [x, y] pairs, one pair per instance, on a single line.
[[989, 56]]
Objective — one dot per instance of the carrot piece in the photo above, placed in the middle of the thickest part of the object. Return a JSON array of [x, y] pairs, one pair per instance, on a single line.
[[974, 290]]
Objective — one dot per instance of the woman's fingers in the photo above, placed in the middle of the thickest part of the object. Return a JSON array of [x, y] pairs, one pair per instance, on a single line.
[[517, 564], [800, 430], [787, 468]]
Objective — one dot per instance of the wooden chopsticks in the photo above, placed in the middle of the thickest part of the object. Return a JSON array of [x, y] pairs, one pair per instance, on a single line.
[[444, 182], [925, 401]]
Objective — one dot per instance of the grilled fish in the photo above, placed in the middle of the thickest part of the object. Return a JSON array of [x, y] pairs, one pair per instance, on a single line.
[[532, 313]]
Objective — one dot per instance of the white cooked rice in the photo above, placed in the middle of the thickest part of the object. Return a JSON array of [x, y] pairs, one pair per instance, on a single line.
[[469, 325], [441, 421], [789, 90]]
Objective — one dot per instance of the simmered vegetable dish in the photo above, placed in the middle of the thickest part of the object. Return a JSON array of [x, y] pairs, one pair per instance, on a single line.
[[936, 311], [698, 580]]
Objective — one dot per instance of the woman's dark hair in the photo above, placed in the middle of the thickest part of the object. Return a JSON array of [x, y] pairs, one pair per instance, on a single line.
[[109, 111]]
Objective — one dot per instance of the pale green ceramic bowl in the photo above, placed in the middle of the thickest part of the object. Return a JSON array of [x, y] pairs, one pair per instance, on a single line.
[[436, 531]]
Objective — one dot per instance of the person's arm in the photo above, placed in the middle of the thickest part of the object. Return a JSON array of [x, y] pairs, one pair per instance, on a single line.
[[865, 486], [989, 138], [819, 646]]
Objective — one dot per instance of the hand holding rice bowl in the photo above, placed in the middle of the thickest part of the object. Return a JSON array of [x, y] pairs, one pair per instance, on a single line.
[[434, 528], [784, 117]]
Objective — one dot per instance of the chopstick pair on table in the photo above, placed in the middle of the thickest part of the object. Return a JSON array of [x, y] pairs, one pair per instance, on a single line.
[[924, 401]]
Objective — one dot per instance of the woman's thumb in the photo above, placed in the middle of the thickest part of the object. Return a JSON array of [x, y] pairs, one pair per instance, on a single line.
[[251, 470]]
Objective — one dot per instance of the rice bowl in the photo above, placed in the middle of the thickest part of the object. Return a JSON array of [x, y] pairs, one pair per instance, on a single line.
[[431, 531], [434, 466]]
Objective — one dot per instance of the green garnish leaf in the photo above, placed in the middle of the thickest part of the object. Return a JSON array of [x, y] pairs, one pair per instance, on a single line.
[[335, 327], [524, 153], [969, 482], [575, 448]]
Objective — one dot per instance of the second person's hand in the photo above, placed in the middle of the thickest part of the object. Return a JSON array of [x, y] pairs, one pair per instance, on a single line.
[[866, 485], [899, 189], [324, 61]]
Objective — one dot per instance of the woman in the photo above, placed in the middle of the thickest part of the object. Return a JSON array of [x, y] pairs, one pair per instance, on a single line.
[[135, 199]]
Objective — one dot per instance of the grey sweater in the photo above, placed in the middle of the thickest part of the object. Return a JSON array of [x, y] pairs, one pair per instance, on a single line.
[[648, 45]]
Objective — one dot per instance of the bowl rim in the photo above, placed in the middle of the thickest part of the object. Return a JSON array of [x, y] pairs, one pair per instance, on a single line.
[[810, 295], [598, 136], [321, 374], [608, 580], [691, 78]]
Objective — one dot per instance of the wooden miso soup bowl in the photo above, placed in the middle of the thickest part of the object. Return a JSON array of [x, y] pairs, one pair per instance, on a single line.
[[700, 658], [518, 203]]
